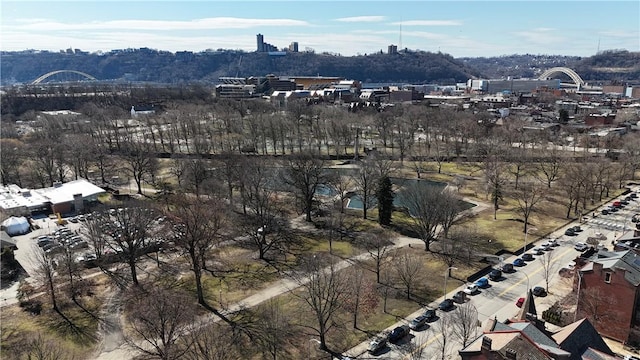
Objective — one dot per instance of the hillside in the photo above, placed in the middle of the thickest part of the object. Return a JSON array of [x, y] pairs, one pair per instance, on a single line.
[[612, 65], [166, 67], [417, 67]]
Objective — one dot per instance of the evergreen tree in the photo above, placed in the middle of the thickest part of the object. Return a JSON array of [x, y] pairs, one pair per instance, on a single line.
[[385, 195]]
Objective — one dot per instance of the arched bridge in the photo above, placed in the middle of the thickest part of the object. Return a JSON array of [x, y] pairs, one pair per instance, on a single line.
[[564, 70], [52, 73]]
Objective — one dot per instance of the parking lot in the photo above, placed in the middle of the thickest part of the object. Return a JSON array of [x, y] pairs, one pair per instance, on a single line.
[[618, 220]]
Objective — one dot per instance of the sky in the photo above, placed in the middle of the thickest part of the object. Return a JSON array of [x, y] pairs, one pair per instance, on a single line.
[[459, 28]]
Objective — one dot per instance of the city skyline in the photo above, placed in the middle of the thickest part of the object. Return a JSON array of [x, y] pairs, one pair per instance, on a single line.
[[458, 28]]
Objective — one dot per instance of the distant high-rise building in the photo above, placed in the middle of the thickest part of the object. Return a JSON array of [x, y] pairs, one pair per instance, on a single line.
[[260, 39], [293, 47], [392, 49]]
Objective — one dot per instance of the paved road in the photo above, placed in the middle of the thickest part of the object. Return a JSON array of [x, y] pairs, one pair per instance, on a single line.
[[499, 299]]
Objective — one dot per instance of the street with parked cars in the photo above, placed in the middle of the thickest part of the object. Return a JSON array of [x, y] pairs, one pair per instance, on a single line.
[[501, 296]]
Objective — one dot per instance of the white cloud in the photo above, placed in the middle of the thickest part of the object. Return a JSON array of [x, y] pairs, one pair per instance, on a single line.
[[541, 36], [429, 23], [159, 25], [361, 19]]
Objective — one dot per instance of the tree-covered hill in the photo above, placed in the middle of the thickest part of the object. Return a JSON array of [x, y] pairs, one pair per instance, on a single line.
[[611, 65], [166, 67], [417, 67]]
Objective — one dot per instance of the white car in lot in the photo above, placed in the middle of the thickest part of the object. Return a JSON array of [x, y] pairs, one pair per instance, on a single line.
[[471, 289], [580, 246]]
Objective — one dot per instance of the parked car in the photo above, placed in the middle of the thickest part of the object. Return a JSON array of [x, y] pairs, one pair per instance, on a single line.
[[570, 232], [399, 332], [446, 305], [471, 289], [547, 246], [520, 302], [518, 262], [418, 322], [431, 315], [481, 283], [577, 228], [495, 275], [537, 251], [581, 246], [605, 211], [527, 257], [539, 291], [507, 268], [376, 345], [459, 297]]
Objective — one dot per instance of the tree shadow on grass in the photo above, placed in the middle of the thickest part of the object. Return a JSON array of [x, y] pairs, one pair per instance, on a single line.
[[76, 329]]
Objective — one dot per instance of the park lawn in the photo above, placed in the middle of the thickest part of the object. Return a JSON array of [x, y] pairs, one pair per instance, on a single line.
[[74, 333]]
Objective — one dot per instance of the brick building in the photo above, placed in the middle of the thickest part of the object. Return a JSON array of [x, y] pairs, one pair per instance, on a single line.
[[607, 286]]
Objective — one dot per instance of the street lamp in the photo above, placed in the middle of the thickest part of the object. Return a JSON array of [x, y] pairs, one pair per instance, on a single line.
[[524, 249], [446, 276]]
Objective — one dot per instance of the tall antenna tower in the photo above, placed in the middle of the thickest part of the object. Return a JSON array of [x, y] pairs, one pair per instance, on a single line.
[[400, 40], [598, 50]]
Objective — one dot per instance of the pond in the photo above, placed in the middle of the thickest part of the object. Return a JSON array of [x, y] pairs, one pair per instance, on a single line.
[[355, 202]]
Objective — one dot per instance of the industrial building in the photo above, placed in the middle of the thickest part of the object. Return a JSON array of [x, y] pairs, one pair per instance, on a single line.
[[62, 198]]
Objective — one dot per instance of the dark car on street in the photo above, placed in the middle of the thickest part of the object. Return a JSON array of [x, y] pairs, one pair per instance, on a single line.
[[430, 315], [398, 333], [570, 232], [446, 305], [507, 268], [418, 322], [527, 257], [539, 291], [495, 274]]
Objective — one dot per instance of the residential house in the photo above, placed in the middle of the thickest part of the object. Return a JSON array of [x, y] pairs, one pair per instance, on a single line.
[[526, 337], [607, 290]]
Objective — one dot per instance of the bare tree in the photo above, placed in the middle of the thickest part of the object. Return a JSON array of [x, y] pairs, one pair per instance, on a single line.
[[444, 341], [450, 207], [464, 323], [451, 249], [265, 226], [528, 196], [378, 246], [160, 317], [424, 205], [597, 306], [408, 268], [215, 342], [414, 349], [140, 163], [45, 274], [133, 234], [37, 347], [494, 172], [366, 181], [362, 297], [199, 223], [67, 263], [304, 173], [323, 291], [274, 328], [550, 166], [548, 267]]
